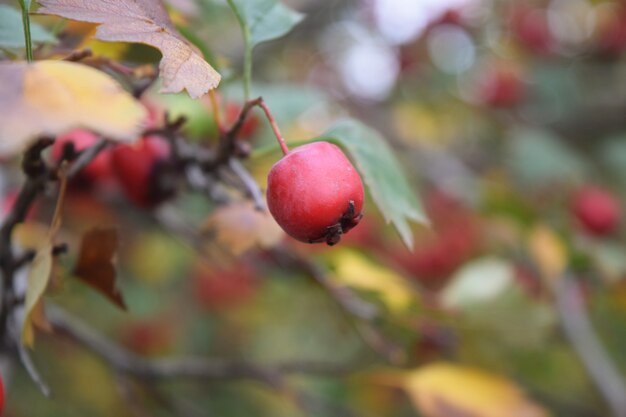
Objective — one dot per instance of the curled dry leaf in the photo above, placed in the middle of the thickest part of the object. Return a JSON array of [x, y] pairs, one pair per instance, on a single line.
[[49, 97], [443, 390], [144, 21], [240, 227], [95, 263]]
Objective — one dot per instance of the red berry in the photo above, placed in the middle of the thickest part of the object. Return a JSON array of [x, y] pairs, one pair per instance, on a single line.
[[147, 337], [99, 168], [530, 26], [502, 87], [597, 210], [315, 194], [138, 168]]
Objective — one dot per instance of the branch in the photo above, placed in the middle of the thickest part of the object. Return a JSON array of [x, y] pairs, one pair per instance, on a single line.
[[579, 330], [86, 157], [351, 305], [27, 361], [188, 367], [254, 191]]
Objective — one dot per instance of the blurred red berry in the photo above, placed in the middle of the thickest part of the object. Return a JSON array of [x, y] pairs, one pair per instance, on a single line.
[[502, 86], [528, 280], [530, 27], [454, 238], [140, 167], [97, 170], [147, 337], [597, 210]]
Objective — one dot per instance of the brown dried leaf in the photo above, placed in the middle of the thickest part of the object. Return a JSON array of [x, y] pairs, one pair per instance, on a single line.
[[144, 21], [240, 227], [95, 263]]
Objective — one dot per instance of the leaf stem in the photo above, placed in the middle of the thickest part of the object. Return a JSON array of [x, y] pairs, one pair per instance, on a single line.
[[26, 23], [247, 57]]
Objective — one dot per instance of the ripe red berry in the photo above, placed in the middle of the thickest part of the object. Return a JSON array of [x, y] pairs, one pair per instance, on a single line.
[[597, 210], [139, 168], [315, 194], [502, 87], [81, 139]]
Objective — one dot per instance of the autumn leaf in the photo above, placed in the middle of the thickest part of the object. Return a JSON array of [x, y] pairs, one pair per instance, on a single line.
[[95, 263], [358, 271], [38, 278], [548, 251], [49, 97], [29, 236], [144, 21], [240, 227], [444, 389]]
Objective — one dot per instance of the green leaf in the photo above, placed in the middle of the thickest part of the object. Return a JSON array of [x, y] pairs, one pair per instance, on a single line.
[[538, 159], [478, 281], [381, 173], [38, 278], [12, 33], [266, 19], [261, 20]]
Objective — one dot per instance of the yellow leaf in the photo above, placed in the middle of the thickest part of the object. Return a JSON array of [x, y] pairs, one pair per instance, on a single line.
[[111, 50], [50, 97], [444, 390], [38, 278], [29, 235], [356, 270], [144, 21], [548, 251]]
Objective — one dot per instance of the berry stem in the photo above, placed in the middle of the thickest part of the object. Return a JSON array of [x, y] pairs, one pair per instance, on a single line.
[[243, 114], [270, 118]]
